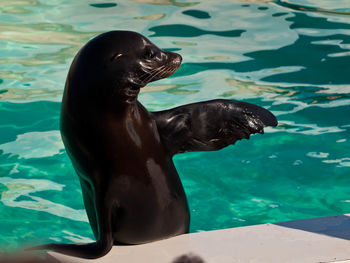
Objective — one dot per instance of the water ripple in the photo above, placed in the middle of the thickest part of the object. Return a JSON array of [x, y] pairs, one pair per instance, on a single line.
[[190, 31], [19, 194], [197, 14], [300, 7], [104, 5], [34, 145]]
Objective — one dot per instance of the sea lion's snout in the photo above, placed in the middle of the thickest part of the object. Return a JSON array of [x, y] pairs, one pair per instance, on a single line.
[[174, 59], [168, 64], [178, 59]]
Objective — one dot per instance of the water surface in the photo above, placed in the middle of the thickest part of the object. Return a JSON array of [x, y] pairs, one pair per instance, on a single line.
[[291, 57]]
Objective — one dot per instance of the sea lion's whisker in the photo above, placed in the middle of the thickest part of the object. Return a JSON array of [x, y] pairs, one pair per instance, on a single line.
[[160, 69], [150, 76], [149, 72], [171, 69], [153, 71], [160, 72], [168, 70]]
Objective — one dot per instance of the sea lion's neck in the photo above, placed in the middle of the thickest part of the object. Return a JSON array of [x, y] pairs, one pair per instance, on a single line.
[[122, 108], [100, 100]]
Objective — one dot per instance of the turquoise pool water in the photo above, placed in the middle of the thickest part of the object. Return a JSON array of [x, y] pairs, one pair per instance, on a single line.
[[292, 57]]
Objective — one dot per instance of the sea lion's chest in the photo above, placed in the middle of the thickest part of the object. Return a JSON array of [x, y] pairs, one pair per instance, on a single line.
[[133, 133], [132, 145], [139, 162]]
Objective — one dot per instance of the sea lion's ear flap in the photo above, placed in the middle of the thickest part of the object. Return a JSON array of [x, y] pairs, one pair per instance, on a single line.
[[210, 125], [116, 56]]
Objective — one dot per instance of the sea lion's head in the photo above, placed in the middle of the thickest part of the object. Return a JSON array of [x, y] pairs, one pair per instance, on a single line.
[[119, 63]]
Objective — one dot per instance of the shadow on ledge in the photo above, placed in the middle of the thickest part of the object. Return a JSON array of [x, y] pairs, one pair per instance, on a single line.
[[334, 226]]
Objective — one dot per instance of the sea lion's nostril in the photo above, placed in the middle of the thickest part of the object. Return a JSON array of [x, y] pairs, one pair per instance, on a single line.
[[178, 59]]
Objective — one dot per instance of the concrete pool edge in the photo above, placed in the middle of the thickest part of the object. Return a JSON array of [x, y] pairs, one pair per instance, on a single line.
[[325, 239]]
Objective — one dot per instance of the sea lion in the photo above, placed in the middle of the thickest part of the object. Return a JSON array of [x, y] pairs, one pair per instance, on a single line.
[[123, 153]]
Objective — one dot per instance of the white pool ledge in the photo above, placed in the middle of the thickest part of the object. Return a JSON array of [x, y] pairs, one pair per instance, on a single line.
[[325, 239]]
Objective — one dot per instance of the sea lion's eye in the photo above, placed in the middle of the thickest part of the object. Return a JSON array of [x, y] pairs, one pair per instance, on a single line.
[[115, 56], [150, 54]]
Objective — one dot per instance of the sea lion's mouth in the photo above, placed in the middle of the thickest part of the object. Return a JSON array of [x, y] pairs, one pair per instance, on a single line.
[[131, 92]]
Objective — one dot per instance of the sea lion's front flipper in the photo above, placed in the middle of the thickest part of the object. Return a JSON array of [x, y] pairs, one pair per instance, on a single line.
[[210, 125]]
